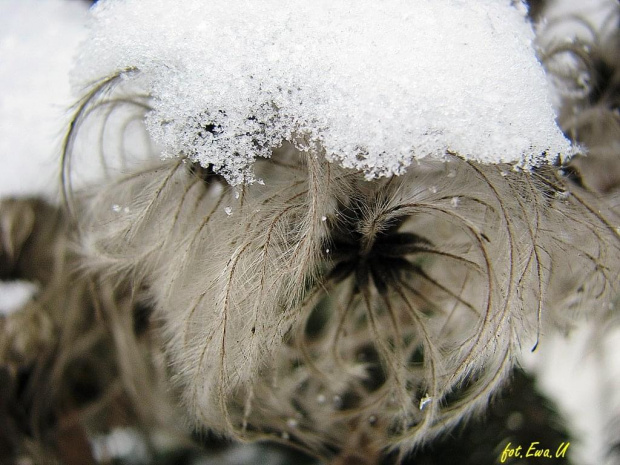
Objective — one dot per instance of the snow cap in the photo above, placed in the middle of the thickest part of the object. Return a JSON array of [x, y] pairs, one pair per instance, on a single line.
[[374, 84]]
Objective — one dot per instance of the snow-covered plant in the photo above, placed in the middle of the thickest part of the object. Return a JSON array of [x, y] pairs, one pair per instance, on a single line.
[[359, 218]]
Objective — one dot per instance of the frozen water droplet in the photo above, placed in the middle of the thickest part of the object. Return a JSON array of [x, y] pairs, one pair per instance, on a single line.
[[323, 218], [504, 173], [116, 208], [433, 189], [424, 401], [228, 211], [261, 182], [236, 194], [455, 202], [291, 423], [337, 401], [321, 399]]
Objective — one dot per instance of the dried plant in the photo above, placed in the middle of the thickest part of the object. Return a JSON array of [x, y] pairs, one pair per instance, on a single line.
[[586, 69], [73, 360], [343, 316]]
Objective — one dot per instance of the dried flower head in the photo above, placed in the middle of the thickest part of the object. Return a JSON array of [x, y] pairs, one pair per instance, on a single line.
[[584, 64], [345, 316]]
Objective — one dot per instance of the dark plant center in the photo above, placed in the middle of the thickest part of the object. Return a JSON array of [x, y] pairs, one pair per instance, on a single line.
[[382, 258]]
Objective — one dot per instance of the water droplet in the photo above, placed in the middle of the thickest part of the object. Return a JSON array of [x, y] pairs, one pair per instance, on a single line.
[[116, 208], [323, 218], [424, 401], [433, 189], [337, 401], [284, 435], [455, 202], [228, 211], [291, 423], [583, 80], [326, 250], [514, 421], [372, 420], [321, 399]]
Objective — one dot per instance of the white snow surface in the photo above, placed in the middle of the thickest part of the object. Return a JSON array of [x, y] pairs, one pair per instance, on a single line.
[[38, 41], [372, 83]]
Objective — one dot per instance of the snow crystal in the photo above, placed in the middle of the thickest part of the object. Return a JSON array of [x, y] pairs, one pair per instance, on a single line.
[[371, 84]]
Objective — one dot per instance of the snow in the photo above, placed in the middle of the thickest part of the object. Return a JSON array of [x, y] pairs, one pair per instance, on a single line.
[[371, 84], [580, 372], [13, 295], [38, 41]]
